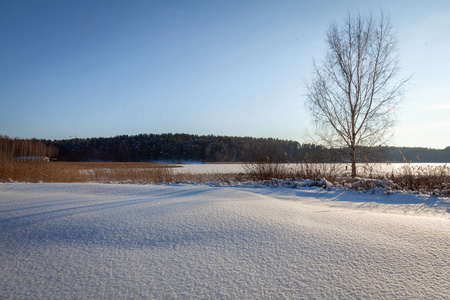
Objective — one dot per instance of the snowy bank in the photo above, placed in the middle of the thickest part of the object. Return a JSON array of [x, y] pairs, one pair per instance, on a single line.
[[114, 241]]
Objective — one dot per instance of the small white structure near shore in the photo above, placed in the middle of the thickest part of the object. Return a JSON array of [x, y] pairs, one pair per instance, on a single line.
[[32, 158]]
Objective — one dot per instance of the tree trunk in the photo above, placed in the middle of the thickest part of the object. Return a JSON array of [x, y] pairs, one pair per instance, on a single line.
[[353, 160]]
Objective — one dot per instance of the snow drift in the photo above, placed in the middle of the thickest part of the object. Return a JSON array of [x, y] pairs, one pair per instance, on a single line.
[[109, 241]]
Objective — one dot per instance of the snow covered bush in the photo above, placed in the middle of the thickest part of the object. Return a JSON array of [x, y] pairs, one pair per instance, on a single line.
[[427, 178]]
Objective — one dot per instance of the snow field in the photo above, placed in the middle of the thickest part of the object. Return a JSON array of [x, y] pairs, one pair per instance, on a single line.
[[109, 241]]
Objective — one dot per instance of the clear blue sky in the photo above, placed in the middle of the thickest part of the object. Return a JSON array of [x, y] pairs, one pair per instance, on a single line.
[[106, 68]]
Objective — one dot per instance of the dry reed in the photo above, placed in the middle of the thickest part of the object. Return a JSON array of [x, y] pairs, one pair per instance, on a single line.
[[33, 171]]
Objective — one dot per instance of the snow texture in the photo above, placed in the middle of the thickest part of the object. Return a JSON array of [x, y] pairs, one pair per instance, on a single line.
[[111, 241]]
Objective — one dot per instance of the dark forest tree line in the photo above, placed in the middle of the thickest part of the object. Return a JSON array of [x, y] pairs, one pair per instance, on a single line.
[[416, 154], [186, 147], [24, 149]]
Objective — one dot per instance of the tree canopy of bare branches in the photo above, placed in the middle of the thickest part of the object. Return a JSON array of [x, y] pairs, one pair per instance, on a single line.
[[355, 90]]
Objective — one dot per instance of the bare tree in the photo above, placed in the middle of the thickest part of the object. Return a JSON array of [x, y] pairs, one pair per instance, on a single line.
[[354, 91]]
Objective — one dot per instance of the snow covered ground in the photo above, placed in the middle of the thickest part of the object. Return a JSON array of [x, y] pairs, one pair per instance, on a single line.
[[111, 241]]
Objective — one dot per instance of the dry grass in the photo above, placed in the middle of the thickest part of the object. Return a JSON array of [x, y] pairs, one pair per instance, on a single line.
[[268, 171], [129, 172], [84, 172], [423, 178]]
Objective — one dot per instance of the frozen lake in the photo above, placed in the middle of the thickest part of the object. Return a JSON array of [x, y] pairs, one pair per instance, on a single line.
[[112, 241], [210, 168]]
